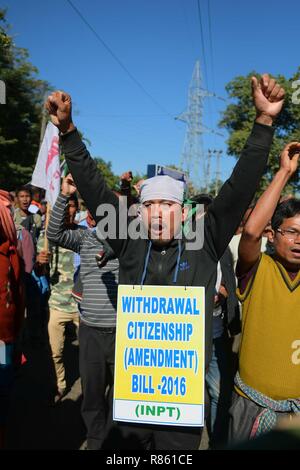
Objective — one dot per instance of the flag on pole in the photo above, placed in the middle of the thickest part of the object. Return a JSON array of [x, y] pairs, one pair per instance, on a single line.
[[47, 171]]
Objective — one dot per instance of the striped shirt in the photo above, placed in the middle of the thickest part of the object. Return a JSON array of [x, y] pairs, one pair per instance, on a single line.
[[100, 285]]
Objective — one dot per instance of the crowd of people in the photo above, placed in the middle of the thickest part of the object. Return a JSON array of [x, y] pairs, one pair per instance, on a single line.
[[63, 269]]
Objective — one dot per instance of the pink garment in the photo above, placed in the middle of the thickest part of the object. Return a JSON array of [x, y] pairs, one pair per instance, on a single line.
[[27, 250]]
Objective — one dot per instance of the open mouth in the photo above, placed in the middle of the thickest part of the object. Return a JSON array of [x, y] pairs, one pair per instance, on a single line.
[[296, 252], [158, 231], [157, 227]]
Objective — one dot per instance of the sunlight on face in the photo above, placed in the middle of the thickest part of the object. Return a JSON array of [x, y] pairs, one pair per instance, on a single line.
[[162, 219], [286, 242]]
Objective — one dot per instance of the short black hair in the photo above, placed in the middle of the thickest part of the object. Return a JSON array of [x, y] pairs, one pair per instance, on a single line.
[[35, 189], [25, 188], [74, 198], [285, 210]]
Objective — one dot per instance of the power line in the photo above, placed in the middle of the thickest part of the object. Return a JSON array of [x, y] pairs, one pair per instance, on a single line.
[[202, 41], [211, 46], [134, 116], [115, 57], [210, 113], [189, 31], [211, 58]]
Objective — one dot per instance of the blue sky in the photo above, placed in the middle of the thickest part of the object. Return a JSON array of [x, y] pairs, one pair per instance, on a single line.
[[158, 41]]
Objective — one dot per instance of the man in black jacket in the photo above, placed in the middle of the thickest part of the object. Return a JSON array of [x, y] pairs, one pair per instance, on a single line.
[[165, 260]]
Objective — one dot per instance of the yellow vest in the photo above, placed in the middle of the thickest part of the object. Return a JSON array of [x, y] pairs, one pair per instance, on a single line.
[[269, 358]]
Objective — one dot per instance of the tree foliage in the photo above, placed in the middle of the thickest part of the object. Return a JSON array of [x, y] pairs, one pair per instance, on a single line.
[[20, 117], [111, 179], [213, 187], [239, 115]]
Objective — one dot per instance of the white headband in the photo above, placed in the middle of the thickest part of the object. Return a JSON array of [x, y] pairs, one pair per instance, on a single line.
[[162, 187]]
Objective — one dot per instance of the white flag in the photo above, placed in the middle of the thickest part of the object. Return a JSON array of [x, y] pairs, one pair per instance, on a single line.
[[46, 174]]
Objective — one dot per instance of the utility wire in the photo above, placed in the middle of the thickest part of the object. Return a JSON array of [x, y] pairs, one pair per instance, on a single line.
[[202, 42], [211, 62], [211, 47], [115, 57]]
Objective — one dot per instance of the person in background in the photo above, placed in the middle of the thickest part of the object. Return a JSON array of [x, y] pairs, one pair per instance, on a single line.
[[35, 206], [267, 384], [23, 217], [226, 325], [62, 307], [97, 307], [12, 306], [221, 370], [28, 228], [13, 199], [137, 187]]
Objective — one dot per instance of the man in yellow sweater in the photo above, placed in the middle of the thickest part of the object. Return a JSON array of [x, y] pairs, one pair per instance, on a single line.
[[267, 384]]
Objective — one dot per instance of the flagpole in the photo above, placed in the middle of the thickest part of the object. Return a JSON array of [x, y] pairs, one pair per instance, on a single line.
[[46, 241], [44, 120], [42, 134]]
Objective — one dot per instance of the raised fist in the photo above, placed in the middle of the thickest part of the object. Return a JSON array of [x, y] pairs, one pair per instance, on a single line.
[[268, 97], [59, 106], [289, 157], [68, 186]]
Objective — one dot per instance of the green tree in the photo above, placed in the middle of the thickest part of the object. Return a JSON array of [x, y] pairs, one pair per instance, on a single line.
[[137, 177], [238, 118], [213, 187], [20, 117], [111, 179]]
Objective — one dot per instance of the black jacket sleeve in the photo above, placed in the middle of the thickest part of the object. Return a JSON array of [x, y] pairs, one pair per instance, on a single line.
[[91, 184], [233, 309], [227, 210]]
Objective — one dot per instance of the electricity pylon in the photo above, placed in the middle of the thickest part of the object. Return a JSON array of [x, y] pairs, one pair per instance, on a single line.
[[193, 158]]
